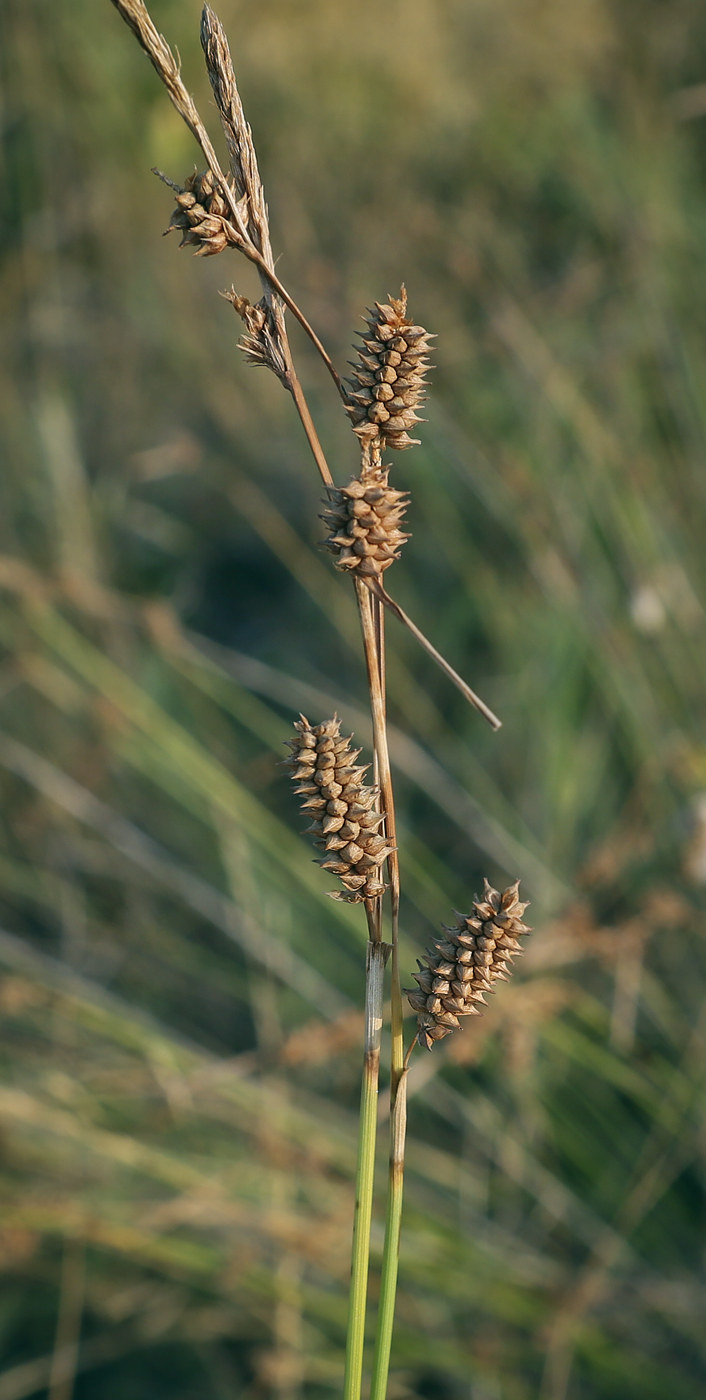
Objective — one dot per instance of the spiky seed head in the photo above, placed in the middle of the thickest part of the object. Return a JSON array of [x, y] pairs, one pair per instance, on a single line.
[[388, 381], [477, 952], [364, 521], [345, 813]]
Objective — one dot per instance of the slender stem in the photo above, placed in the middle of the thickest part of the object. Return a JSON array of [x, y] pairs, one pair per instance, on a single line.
[[373, 628], [375, 968], [375, 639], [391, 1254], [68, 1327], [460, 684], [292, 383]]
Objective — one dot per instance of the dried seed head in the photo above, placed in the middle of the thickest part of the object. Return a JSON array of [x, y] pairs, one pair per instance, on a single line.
[[322, 766], [387, 384], [466, 962], [201, 215], [262, 342], [364, 521]]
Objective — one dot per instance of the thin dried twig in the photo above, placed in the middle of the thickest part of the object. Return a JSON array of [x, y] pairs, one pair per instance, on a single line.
[[377, 588]]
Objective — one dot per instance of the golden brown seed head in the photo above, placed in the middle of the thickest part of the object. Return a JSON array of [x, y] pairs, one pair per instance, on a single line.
[[364, 521], [466, 962], [345, 813], [388, 381]]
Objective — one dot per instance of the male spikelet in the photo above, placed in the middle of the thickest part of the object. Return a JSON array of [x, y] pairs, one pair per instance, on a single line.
[[346, 819], [364, 519], [387, 385], [465, 963]]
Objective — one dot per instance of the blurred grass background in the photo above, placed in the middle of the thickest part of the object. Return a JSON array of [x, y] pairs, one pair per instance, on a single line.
[[180, 1034]]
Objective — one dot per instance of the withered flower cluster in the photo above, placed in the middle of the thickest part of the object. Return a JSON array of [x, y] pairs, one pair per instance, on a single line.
[[387, 385], [346, 819], [199, 215], [463, 965]]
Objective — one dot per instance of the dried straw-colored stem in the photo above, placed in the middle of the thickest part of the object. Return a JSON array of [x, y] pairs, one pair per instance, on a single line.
[[307, 422], [372, 626]]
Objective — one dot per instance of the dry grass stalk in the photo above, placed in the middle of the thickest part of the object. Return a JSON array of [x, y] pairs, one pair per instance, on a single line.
[[354, 824]]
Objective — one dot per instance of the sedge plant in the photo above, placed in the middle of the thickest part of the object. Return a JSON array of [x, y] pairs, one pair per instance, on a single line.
[[352, 821]]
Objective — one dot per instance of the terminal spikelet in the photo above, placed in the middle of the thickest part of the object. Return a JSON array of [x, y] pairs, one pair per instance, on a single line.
[[466, 962], [387, 385], [199, 215], [364, 520], [346, 821]]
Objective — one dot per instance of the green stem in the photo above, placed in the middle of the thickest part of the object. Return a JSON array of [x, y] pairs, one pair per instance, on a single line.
[[390, 1258], [372, 617], [375, 969]]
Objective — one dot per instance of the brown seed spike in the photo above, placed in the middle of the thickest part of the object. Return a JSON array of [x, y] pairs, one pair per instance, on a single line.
[[474, 955], [364, 520], [357, 852], [392, 360]]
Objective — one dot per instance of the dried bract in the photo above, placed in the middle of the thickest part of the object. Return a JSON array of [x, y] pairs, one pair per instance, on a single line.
[[464, 964], [364, 519], [346, 820], [387, 385]]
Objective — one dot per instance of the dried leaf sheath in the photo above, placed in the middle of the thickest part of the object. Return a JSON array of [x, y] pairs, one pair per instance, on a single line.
[[463, 965], [346, 818]]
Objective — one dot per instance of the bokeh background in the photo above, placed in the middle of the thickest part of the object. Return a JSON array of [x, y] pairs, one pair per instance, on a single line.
[[180, 999]]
